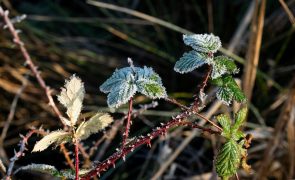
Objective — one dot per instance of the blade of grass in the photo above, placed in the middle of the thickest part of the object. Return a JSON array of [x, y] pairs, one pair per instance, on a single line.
[[253, 53]]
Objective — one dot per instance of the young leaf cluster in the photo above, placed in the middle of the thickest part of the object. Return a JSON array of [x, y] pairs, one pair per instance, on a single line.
[[229, 156], [71, 97], [204, 46], [125, 82]]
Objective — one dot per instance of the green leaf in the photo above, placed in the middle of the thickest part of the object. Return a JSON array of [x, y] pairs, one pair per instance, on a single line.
[[228, 159], [223, 65], [203, 42], [190, 61], [225, 122], [237, 135], [152, 89], [228, 90], [225, 95], [149, 83], [95, 124], [240, 118], [55, 137]]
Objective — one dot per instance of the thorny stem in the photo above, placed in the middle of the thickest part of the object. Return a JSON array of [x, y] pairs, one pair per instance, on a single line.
[[111, 160], [29, 62], [36, 73], [22, 148], [77, 159], [126, 133], [202, 87]]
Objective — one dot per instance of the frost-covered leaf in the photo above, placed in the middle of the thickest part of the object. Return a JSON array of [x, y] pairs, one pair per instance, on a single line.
[[120, 86], [190, 61], [225, 95], [121, 94], [228, 90], [223, 65], [70, 174], [71, 97], [149, 83], [95, 124], [55, 137], [152, 90], [228, 159], [124, 83], [118, 78], [43, 168], [203, 42], [225, 122]]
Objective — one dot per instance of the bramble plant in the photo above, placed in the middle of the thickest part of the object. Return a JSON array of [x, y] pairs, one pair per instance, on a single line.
[[123, 85]]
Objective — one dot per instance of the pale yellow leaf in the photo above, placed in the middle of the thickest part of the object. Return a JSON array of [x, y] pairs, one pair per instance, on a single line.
[[55, 137], [97, 123], [71, 97]]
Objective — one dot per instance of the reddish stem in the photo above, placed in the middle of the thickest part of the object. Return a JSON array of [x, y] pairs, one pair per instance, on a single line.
[[111, 160], [126, 133], [77, 159]]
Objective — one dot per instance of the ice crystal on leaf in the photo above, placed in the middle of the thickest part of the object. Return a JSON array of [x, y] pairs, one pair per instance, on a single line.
[[125, 82], [207, 43]]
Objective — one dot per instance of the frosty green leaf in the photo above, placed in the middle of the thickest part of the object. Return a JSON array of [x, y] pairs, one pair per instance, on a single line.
[[121, 94], [228, 159], [71, 97], [223, 65], [124, 83], [190, 61], [203, 42], [55, 137], [118, 78], [95, 124], [228, 90]]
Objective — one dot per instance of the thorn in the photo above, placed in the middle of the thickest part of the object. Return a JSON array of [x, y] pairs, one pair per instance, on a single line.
[[124, 158], [149, 143], [114, 165]]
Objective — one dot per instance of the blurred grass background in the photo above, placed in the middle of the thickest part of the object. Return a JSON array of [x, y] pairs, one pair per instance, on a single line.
[[78, 37]]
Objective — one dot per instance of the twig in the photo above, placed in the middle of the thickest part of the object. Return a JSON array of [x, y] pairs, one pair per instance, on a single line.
[[35, 72], [288, 11], [128, 123], [196, 126], [174, 101], [121, 153], [29, 62], [12, 110], [64, 150], [22, 148], [184, 143], [115, 127]]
